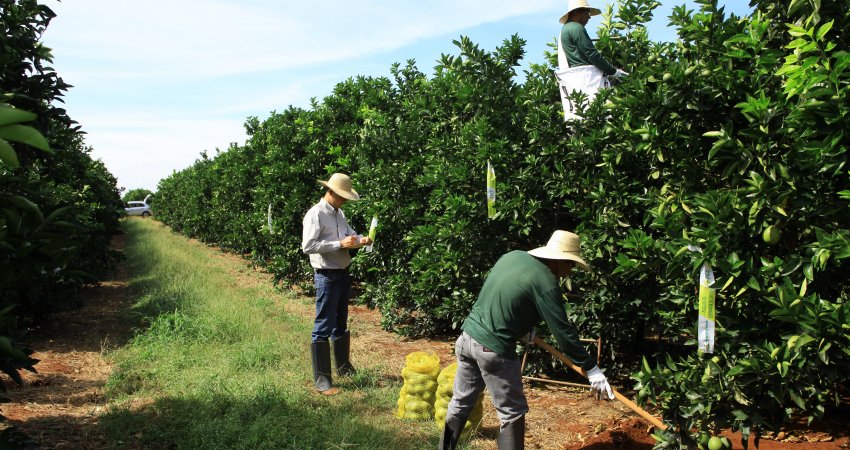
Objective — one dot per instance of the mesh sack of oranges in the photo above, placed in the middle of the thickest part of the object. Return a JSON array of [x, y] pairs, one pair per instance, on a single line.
[[445, 383], [416, 399]]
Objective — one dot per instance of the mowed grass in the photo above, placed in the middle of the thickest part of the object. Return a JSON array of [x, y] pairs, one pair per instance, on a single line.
[[218, 363]]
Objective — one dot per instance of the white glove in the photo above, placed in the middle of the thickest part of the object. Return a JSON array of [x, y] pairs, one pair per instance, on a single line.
[[620, 73], [599, 387]]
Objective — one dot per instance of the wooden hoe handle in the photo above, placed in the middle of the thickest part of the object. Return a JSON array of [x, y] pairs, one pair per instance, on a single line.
[[622, 398]]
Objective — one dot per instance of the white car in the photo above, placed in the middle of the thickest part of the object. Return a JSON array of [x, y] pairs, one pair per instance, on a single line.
[[139, 208]]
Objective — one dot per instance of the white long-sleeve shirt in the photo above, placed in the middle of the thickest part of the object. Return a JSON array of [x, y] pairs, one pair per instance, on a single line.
[[324, 227]]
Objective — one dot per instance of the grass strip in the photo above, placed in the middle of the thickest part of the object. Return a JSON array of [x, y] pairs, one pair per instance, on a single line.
[[218, 363]]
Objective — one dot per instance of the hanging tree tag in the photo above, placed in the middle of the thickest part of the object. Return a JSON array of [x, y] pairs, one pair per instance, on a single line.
[[269, 214], [706, 320], [373, 230], [491, 191]]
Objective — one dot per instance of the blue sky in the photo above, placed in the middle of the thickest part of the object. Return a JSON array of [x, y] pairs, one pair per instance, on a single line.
[[158, 82]]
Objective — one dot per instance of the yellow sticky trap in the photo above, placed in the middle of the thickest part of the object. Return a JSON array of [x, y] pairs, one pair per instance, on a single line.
[[373, 230], [707, 308], [491, 191]]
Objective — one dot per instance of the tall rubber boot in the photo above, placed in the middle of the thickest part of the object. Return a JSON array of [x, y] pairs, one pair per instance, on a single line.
[[342, 354], [512, 435], [321, 355], [451, 434]]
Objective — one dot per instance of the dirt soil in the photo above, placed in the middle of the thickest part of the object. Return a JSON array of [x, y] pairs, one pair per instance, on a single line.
[[59, 407]]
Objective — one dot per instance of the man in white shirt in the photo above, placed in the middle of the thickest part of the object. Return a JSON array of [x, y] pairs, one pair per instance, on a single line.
[[327, 238]]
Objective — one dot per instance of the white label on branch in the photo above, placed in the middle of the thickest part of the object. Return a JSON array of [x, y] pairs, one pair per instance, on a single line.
[[269, 217]]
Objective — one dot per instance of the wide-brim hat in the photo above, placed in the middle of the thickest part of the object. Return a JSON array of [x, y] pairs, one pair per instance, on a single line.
[[341, 184], [562, 245], [578, 4]]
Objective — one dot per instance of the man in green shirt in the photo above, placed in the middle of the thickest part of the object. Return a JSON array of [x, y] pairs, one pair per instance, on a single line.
[[576, 42], [521, 290], [580, 67]]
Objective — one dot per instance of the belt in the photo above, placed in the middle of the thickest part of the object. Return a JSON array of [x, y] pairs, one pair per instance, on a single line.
[[330, 271]]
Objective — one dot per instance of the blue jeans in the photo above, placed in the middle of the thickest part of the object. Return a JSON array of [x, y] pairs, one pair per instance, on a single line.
[[478, 366], [333, 292]]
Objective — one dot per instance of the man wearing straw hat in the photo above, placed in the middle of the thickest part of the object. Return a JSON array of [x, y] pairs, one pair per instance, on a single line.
[[580, 67], [576, 43], [521, 290], [327, 238]]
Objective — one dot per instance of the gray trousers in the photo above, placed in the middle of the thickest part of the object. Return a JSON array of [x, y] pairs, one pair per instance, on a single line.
[[478, 367]]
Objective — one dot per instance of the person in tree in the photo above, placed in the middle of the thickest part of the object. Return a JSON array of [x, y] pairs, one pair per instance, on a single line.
[[327, 238], [580, 67], [521, 290], [577, 46]]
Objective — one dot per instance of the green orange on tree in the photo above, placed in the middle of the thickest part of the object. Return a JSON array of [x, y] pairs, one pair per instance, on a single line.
[[771, 235], [715, 443]]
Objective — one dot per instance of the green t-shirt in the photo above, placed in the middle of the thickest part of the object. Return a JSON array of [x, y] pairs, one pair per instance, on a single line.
[[519, 292], [580, 50]]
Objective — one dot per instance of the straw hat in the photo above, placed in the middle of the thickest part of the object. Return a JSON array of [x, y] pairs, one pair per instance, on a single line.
[[562, 245], [578, 4], [341, 184]]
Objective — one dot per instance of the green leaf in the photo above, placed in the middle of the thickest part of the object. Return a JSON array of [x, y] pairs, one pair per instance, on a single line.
[[797, 399], [822, 353], [26, 135], [797, 31], [735, 371], [824, 29], [27, 206], [794, 6], [728, 282], [8, 155], [57, 212], [670, 364], [802, 341], [9, 115], [797, 43], [740, 415], [808, 271]]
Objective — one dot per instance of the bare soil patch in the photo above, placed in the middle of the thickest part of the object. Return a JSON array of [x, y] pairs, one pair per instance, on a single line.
[[60, 406]]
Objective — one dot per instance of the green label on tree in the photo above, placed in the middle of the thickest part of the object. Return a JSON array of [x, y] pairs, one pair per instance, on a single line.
[[706, 318], [491, 191], [373, 228]]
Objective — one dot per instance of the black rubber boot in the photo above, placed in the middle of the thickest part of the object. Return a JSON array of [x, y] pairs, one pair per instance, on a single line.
[[321, 354], [342, 354], [451, 434], [512, 435]]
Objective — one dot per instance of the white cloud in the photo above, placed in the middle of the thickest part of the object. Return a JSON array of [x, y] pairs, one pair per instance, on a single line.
[[158, 82], [198, 38], [141, 149]]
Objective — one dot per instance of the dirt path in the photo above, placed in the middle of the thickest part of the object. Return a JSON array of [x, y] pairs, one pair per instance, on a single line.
[[59, 407]]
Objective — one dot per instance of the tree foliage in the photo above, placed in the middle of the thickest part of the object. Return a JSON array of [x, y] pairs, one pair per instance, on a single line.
[[59, 208], [137, 195]]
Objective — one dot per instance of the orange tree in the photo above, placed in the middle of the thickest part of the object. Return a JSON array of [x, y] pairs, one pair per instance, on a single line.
[[137, 194], [735, 130], [58, 207], [732, 132]]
